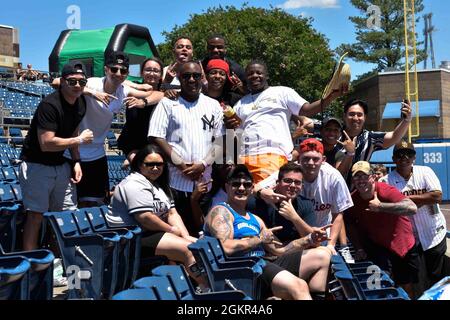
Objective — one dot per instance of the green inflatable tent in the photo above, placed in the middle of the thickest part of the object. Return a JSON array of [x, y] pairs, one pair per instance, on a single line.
[[91, 47]]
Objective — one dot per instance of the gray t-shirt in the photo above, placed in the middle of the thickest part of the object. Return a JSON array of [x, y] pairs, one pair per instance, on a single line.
[[136, 194]]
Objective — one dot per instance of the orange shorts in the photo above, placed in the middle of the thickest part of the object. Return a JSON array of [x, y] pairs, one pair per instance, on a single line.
[[261, 166]]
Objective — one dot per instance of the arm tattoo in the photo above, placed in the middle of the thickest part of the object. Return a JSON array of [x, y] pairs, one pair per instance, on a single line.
[[403, 208], [220, 224], [297, 245]]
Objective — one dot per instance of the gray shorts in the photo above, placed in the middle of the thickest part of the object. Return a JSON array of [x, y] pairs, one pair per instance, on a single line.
[[47, 188]]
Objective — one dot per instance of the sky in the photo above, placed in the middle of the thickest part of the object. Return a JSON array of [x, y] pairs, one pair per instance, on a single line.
[[41, 22]]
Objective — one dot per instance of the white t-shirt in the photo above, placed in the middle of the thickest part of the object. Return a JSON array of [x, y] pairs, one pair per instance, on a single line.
[[98, 119], [429, 222], [265, 121], [329, 193], [175, 80], [189, 127], [136, 194]]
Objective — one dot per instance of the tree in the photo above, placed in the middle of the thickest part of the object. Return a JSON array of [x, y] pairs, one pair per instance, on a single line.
[[383, 45], [296, 55]]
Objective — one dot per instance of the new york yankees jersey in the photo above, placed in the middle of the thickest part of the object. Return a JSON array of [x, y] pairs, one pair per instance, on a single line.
[[190, 128], [429, 222]]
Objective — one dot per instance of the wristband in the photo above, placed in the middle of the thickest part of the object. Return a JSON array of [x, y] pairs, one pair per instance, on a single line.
[[350, 154], [204, 163], [80, 140], [145, 101]]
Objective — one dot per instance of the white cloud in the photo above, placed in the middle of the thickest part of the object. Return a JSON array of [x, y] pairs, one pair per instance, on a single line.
[[295, 4]]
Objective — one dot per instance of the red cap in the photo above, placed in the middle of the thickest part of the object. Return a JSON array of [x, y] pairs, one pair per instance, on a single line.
[[311, 145], [218, 64]]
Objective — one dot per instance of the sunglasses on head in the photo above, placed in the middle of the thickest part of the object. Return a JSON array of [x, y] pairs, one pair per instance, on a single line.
[[123, 71], [195, 75], [73, 82], [246, 184], [153, 164], [290, 181]]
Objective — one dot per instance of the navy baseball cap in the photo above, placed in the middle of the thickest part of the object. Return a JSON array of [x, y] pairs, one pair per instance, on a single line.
[[73, 67]]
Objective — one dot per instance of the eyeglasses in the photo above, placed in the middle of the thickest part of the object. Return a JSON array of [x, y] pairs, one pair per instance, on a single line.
[[290, 181], [153, 164], [123, 71], [195, 75], [246, 184], [154, 71], [73, 82]]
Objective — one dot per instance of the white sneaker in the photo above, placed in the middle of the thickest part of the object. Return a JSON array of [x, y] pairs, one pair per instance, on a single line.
[[345, 253]]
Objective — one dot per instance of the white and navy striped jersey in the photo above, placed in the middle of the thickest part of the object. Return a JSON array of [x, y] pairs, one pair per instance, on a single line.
[[429, 222], [190, 128], [367, 142]]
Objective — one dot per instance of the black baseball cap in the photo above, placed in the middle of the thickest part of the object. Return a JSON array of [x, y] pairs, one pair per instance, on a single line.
[[239, 172], [326, 121], [404, 145], [73, 67], [117, 58]]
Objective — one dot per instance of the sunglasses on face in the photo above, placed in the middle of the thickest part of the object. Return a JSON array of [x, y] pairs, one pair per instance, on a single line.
[[153, 164], [289, 181], [123, 71], [73, 82], [187, 76], [405, 155], [246, 184]]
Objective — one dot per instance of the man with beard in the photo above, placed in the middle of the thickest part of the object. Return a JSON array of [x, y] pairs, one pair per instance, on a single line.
[[296, 215], [244, 234], [185, 129], [380, 228], [422, 186]]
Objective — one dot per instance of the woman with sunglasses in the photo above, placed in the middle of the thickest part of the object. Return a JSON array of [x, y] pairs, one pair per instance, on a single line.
[[144, 198], [134, 133]]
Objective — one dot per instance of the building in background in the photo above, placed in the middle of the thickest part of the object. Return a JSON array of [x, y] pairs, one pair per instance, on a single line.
[[385, 91], [9, 47]]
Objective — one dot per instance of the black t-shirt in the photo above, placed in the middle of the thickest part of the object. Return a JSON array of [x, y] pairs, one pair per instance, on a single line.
[[269, 214], [135, 131], [54, 114]]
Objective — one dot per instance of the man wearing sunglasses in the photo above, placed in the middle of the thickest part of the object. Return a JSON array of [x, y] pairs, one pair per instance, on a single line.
[[296, 215], [186, 129], [243, 233], [422, 186], [105, 97], [46, 177]]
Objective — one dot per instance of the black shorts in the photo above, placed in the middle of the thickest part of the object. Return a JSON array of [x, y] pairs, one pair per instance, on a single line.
[[287, 262], [94, 184], [406, 270], [150, 240]]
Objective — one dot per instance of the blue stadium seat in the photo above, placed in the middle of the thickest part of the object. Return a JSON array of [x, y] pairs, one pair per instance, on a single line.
[[86, 251], [16, 136], [184, 289], [14, 273], [241, 278], [135, 294], [8, 224], [160, 285], [111, 251], [132, 233], [112, 141], [41, 272]]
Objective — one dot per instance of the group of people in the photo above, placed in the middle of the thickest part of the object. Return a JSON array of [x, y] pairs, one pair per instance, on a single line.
[[210, 149]]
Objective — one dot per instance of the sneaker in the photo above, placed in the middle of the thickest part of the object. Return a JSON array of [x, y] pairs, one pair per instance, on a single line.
[[345, 253], [58, 279]]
